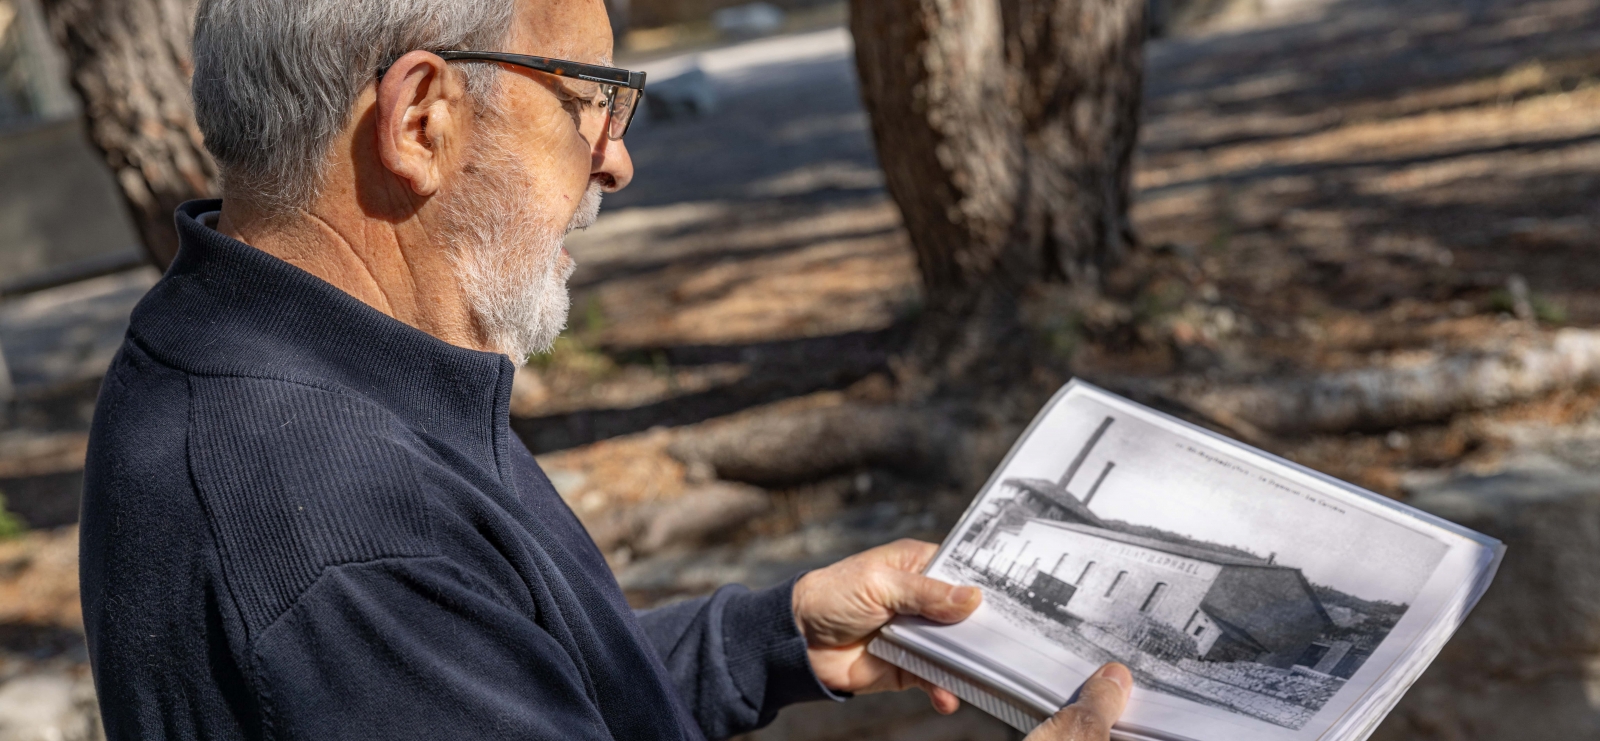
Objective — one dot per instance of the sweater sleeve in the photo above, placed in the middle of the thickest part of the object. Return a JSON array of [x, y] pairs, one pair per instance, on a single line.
[[736, 656], [406, 648]]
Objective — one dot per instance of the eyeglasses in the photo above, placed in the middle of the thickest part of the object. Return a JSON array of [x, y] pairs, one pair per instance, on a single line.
[[623, 89]]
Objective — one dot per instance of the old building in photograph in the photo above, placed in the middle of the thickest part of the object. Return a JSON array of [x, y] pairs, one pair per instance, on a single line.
[[1235, 608], [1070, 564]]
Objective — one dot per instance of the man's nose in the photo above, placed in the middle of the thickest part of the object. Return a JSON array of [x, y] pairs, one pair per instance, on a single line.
[[612, 166]]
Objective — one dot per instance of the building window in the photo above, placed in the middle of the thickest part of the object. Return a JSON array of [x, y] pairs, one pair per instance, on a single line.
[[1190, 621], [1117, 582], [1199, 631], [1085, 573], [1057, 570], [1154, 598]]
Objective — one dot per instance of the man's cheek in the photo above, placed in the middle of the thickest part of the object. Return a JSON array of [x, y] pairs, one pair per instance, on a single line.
[[561, 186]]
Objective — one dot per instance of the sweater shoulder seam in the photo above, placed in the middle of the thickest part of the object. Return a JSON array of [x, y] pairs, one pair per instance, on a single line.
[[222, 543], [214, 544], [255, 641], [256, 638]]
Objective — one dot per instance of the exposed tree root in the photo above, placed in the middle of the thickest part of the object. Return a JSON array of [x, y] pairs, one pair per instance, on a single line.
[[698, 514], [1414, 388], [806, 445]]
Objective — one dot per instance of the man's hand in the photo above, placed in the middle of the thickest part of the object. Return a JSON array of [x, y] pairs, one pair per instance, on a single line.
[[840, 608], [1100, 703]]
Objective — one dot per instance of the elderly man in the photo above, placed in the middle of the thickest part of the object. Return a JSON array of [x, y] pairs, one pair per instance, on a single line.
[[306, 515]]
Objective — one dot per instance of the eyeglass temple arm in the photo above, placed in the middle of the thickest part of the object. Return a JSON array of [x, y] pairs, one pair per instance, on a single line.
[[560, 67]]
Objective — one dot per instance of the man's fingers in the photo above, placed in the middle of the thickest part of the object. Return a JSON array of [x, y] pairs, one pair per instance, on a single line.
[[907, 554], [914, 594], [1100, 703], [944, 701]]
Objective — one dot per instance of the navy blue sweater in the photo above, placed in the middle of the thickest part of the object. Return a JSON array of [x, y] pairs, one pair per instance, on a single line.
[[306, 520]]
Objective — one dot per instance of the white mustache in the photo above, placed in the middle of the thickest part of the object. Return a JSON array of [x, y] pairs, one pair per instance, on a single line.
[[588, 209]]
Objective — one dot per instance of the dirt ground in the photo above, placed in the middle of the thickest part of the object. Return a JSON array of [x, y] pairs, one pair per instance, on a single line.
[[1331, 189], [1341, 184]]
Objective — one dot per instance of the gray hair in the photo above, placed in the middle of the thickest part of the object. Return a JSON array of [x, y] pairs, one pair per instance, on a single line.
[[275, 80]]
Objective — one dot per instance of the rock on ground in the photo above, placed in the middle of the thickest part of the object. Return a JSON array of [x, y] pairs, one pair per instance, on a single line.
[[53, 704], [1526, 665]]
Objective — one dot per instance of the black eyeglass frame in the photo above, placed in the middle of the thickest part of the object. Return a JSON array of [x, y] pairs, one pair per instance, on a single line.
[[610, 78]]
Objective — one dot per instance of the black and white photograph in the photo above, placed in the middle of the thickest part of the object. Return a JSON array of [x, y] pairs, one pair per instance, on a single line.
[[1214, 580]]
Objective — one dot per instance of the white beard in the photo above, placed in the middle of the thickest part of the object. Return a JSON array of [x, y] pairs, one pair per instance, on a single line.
[[508, 256]]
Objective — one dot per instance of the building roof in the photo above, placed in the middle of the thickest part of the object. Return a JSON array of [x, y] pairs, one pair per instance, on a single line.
[[1177, 549], [1057, 493]]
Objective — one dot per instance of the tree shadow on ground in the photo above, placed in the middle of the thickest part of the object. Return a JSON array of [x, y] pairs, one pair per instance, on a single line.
[[776, 371]]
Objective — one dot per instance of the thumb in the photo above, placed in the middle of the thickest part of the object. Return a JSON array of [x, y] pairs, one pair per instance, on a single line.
[[1100, 703], [909, 593]]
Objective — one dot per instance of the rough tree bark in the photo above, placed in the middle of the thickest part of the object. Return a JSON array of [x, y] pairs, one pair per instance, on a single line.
[[1006, 129], [130, 64]]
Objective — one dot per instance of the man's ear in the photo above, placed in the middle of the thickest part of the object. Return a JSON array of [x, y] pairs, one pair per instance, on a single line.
[[421, 119]]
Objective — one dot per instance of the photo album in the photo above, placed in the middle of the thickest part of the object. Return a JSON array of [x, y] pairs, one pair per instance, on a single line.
[[1253, 598]]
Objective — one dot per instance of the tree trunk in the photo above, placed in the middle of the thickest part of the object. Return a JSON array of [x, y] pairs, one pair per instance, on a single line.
[[1006, 130], [130, 64]]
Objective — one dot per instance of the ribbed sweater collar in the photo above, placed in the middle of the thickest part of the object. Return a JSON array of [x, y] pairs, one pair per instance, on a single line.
[[226, 308]]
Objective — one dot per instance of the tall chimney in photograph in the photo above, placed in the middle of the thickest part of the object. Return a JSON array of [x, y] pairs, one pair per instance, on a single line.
[[1077, 462], [1097, 482]]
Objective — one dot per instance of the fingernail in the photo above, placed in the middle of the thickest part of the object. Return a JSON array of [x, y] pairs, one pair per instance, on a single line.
[[964, 595], [1116, 673]]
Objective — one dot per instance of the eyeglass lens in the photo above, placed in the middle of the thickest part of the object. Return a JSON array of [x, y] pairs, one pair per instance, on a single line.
[[624, 103]]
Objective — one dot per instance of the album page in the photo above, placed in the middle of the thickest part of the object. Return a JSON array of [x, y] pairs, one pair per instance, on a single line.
[[1251, 597]]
